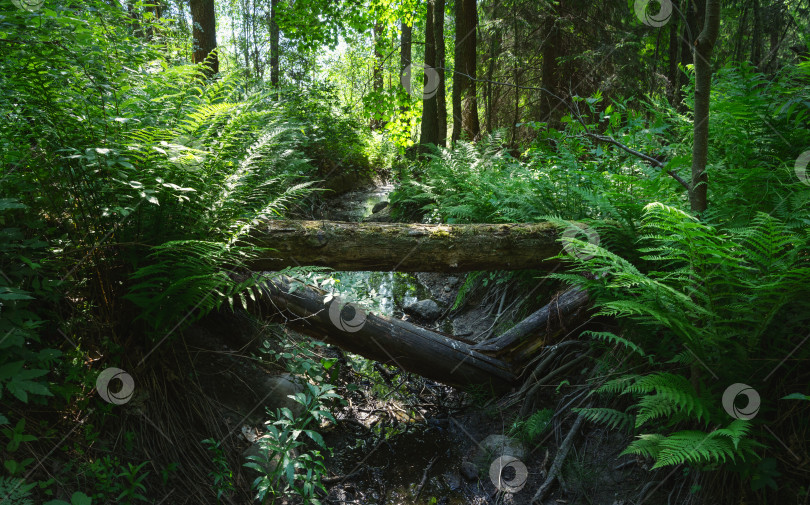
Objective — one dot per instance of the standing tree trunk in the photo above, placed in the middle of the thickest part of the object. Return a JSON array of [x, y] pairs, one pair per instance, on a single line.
[[673, 89], [465, 104], [204, 35], [550, 74], [405, 58], [494, 50], [441, 98], [377, 74], [756, 38], [274, 38], [430, 117], [704, 46]]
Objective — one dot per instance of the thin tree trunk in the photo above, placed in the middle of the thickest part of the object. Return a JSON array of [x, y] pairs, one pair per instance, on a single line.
[[274, 40], [441, 99], [377, 72], [704, 46], [406, 247], [405, 56], [550, 77], [756, 38], [204, 35], [430, 118], [673, 93]]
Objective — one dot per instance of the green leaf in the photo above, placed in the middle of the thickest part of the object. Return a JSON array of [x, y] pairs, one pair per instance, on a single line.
[[796, 396]]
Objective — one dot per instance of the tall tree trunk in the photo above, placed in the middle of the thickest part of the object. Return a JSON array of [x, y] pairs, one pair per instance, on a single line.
[[204, 35], [465, 104], [673, 91], [550, 77], [441, 99], [704, 46], [258, 64], [405, 43], [494, 50], [430, 118], [756, 37], [274, 39], [377, 72]]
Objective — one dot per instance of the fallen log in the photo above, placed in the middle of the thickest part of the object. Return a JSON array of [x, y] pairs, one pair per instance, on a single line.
[[564, 311], [433, 355], [406, 247]]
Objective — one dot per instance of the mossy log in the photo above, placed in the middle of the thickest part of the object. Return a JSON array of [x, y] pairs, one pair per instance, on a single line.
[[406, 247]]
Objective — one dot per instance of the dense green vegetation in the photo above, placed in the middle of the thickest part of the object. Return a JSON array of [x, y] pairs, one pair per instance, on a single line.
[[133, 173]]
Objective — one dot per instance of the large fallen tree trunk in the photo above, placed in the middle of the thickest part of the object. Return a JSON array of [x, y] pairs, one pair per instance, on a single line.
[[434, 355], [406, 247]]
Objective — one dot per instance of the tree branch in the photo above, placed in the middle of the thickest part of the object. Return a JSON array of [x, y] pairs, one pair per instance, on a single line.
[[648, 159]]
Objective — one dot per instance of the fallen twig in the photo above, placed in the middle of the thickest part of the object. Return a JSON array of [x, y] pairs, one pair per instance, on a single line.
[[424, 478], [562, 452]]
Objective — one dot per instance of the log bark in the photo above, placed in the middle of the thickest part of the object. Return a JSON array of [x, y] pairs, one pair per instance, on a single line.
[[406, 247], [563, 313], [433, 355]]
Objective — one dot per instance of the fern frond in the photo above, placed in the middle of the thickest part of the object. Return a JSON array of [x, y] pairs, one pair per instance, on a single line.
[[606, 336], [613, 418]]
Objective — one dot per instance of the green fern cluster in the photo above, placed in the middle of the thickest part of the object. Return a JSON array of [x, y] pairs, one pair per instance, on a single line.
[[533, 426], [699, 296]]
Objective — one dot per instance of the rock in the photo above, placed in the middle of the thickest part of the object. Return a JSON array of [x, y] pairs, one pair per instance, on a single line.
[[277, 390], [447, 288], [495, 446], [379, 206], [382, 216], [424, 309], [452, 480], [469, 471]]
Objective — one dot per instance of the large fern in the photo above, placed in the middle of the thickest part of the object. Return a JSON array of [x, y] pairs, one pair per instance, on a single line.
[[709, 296]]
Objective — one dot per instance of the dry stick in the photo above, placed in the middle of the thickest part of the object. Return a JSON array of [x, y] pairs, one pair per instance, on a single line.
[[340, 478], [424, 478], [562, 452]]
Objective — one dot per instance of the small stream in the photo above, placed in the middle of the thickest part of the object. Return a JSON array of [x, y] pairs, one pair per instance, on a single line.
[[406, 456], [385, 293]]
